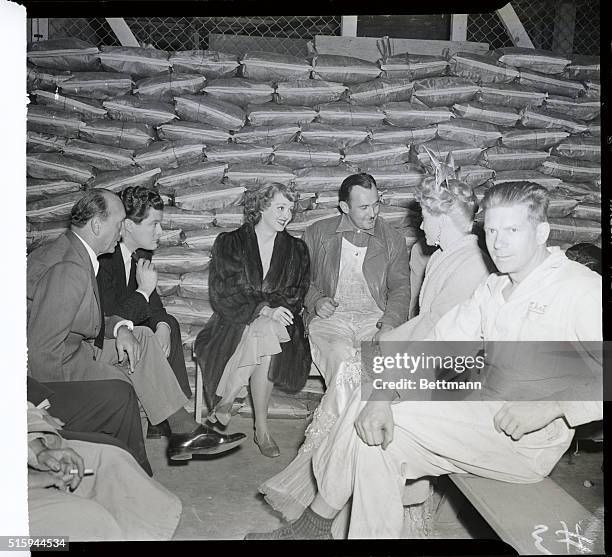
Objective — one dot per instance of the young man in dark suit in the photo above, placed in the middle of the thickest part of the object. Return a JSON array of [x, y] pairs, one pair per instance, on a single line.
[[127, 278]]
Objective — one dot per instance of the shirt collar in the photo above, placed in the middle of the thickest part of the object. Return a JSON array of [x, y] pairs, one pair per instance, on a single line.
[[346, 225], [125, 253], [556, 258], [91, 253]]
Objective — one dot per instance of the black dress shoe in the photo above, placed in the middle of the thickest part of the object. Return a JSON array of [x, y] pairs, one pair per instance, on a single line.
[[158, 431], [202, 440]]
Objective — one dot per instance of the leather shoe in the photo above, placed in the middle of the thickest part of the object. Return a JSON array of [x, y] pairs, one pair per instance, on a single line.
[[267, 446], [158, 431], [202, 440]]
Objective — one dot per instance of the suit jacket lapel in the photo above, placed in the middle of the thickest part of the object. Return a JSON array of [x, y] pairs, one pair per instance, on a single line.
[[82, 252], [331, 246], [80, 249], [376, 249]]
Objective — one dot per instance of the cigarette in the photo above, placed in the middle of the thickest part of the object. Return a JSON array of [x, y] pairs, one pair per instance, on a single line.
[[86, 472]]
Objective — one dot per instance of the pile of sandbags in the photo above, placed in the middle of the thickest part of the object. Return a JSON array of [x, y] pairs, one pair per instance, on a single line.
[[203, 126]]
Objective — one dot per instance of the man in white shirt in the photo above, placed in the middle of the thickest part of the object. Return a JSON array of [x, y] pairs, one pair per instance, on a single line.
[[375, 446], [360, 277], [65, 321]]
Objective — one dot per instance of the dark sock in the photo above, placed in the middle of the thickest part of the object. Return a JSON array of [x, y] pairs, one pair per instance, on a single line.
[[311, 525], [182, 422]]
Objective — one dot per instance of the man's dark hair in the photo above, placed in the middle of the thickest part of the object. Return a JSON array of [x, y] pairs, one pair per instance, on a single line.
[[535, 197], [138, 200], [587, 254], [93, 202], [362, 180]]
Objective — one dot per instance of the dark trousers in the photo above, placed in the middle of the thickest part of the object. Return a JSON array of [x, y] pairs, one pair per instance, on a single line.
[[106, 406], [177, 356], [99, 438]]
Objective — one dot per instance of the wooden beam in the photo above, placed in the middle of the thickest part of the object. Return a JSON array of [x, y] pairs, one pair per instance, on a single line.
[[514, 27], [40, 29], [529, 517], [123, 31], [366, 47], [348, 26], [565, 27], [459, 27], [240, 44]]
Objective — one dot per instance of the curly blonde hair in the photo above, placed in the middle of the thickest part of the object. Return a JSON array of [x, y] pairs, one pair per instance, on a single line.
[[257, 199], [453, 198]]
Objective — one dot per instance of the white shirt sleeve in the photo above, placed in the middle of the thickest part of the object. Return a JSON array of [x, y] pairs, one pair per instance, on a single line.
[[146, 296], [125, 322], [582, 412]]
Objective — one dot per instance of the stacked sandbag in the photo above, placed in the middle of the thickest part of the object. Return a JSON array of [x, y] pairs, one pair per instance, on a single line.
[[64, 54], [319, 179], [42, 78], [413, 66], [136, 61], [267, 135], [48, 216], [548, 116], [203, 126], [270, 66], [44, 142], [98, 85], [166, 86], [169, 154], [87, 108]]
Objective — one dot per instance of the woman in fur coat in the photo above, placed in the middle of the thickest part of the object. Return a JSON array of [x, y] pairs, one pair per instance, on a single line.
[[259, 275]]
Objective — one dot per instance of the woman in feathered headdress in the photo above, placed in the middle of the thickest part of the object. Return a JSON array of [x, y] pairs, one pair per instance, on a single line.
[[452, 274]]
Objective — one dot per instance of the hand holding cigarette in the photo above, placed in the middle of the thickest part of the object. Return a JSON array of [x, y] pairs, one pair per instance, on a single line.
[[86, 472]]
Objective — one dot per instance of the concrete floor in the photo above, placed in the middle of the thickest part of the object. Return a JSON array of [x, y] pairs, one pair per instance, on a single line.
[[221, 500], [219, 493]]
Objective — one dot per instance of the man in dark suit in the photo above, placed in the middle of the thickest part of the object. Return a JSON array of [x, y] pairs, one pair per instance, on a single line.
[[65, 320], [107, 414], [127, 278]]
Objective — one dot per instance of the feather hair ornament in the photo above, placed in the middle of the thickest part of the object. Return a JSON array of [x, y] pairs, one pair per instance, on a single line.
[[443, 170]]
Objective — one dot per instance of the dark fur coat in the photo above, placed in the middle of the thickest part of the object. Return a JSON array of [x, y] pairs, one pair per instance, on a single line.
[[238, 291]]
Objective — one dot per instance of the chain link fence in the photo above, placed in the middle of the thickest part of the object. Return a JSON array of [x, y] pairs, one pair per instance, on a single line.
[[286, 35], [563, 26]]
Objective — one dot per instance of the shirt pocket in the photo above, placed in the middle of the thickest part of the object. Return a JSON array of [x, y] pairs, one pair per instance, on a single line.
[[541, 327]]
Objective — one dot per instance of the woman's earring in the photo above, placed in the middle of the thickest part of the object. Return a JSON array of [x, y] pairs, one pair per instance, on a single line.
[[439, 235]]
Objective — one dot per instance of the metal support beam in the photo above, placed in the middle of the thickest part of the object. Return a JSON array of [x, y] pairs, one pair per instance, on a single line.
[[459, 27], [122, 30], [348, 26], [40, 29], [565, 27], [514, 27]]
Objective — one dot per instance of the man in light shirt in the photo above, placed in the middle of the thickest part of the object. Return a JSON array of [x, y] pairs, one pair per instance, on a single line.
[[375, 446], [360, 277], [65, 320]]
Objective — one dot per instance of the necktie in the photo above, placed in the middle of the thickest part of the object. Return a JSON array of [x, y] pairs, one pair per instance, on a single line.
[[131, 284]]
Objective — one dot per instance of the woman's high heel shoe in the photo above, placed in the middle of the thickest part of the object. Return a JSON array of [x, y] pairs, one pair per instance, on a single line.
[[267, 446]]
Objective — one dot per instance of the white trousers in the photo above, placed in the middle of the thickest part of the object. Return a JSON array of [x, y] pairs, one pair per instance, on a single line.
[[335, 339], [119, 502], [429, 439]]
